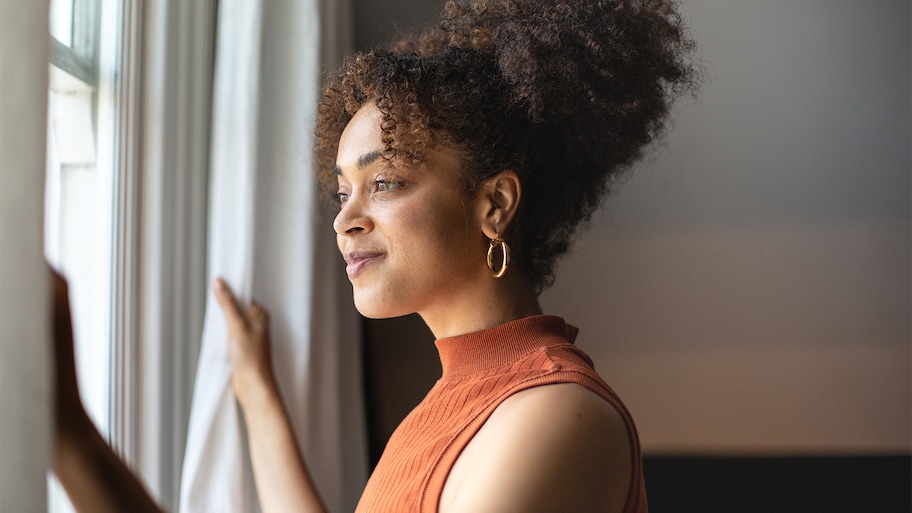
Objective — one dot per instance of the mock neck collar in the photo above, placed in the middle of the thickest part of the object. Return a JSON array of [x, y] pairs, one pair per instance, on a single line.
[[500, 345]]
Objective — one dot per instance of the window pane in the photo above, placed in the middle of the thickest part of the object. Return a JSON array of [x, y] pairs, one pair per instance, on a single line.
[[78, 216], [62, 21]]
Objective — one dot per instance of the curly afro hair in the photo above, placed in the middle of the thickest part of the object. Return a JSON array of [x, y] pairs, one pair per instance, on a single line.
[[566, 93]]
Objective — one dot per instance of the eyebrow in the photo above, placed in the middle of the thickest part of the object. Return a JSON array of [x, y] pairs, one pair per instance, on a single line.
[[363, 161]]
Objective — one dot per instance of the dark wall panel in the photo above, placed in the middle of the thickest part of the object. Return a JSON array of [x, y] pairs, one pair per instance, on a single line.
[[377, 20], [779, 485]]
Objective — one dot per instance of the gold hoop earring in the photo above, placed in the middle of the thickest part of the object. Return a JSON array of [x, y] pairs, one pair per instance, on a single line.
[[505, 250]]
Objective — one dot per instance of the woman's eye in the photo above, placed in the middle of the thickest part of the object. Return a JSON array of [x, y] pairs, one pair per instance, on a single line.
[[341, 197], [385, 185]]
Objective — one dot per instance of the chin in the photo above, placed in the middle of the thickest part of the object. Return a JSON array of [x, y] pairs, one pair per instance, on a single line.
[[372, 308]]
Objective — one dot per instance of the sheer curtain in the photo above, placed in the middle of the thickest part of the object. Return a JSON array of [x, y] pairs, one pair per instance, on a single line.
[[269, 239], [25, 395]]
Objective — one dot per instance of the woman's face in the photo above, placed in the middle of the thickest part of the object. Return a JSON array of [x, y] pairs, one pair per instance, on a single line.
[[408, 233]]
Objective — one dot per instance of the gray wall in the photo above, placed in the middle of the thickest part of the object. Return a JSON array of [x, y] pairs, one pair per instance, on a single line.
[[748, 290], [376, 21]]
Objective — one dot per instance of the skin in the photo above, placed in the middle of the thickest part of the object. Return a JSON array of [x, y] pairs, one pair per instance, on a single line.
[[414, 241], [398, 227], [551, 449], [94, 477], [279, 470]]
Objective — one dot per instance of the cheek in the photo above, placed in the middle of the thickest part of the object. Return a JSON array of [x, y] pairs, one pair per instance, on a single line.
[[455, 243], [436, 235]]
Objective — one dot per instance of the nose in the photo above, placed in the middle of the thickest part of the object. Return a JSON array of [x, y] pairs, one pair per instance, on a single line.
[[352, 218]]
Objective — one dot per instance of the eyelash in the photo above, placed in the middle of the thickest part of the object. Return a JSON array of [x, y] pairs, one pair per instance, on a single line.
[[376, 186], [379, 184]]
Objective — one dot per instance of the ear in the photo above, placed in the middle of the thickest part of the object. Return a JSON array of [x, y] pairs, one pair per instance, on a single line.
[[498, 201]]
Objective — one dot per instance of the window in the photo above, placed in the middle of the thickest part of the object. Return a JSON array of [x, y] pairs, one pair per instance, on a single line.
[[80, 192], [128, 227], [77, 234]]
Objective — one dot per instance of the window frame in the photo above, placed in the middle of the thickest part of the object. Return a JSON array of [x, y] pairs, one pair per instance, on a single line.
[[80, 58], [75, 78], [162, 90]]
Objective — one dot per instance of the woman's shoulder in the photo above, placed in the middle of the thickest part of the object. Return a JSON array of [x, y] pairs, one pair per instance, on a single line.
[[558, 447]]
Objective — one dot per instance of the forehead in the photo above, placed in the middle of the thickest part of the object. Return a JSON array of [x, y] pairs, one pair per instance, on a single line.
[[361, 144], [361, 136]]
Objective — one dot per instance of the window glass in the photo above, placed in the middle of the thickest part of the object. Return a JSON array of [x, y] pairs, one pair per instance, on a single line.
[[62, 21], [79, 199]]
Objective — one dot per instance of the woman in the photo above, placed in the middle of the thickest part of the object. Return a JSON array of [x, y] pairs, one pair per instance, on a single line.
[[462, 158]]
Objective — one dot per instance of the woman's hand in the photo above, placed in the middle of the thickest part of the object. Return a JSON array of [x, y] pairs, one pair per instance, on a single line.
[[248, 346], [70, 418], [93, 476], [282, 480]]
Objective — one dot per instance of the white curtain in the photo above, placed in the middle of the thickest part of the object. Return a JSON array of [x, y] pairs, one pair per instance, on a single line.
[[25, 394], [268, 239]]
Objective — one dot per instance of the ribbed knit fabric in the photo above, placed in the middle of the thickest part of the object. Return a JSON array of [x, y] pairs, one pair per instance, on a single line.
[[480, 370]]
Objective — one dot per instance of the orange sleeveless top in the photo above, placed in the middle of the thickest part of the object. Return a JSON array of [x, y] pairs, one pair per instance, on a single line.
[[480, 370]]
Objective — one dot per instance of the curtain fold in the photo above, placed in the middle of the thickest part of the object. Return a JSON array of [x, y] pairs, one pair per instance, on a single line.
[[268, 239], [25, 359]]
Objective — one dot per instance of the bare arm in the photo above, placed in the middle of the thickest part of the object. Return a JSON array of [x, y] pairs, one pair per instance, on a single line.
[[94, 477], [549, 449], [282, 479]]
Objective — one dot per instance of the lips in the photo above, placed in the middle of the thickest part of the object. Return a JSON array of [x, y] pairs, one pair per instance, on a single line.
[[357, 261]]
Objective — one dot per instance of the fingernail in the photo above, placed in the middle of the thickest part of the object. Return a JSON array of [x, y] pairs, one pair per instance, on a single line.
[[218, 285]]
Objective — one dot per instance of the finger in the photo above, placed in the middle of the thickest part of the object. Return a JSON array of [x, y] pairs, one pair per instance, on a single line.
[[64, 357], [258, 316], [233, 315], [63, 326]]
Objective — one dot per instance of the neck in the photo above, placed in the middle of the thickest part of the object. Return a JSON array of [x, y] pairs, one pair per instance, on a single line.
[[492, 303]]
